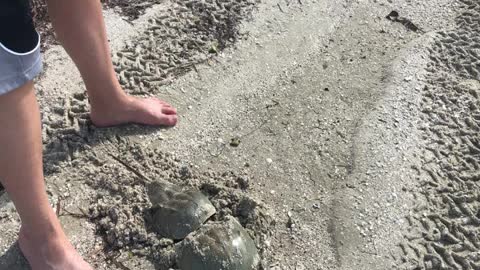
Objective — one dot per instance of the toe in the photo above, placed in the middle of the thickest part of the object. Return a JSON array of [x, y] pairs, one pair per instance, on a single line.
[[164, 103], [168, 120], [169, 110]]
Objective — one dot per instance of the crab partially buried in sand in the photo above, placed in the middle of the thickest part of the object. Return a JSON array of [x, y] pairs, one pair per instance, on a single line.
[[219, 245]]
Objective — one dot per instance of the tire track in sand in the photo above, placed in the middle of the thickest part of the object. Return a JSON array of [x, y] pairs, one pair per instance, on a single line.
[[445, 231]]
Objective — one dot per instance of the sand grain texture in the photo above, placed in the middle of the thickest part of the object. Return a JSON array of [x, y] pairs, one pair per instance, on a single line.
[[338, 138]]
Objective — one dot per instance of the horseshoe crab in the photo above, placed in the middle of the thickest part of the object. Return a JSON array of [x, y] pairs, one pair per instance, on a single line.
[[176, 213], [218, 246]]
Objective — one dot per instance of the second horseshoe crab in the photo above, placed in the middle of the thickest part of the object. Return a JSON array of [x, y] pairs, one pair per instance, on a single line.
[[223, 245]]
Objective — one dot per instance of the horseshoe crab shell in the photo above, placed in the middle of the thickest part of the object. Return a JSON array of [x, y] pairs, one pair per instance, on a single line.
[[218, 246], [176, 213]]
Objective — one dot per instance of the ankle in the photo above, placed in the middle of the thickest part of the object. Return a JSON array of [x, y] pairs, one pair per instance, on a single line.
[[109, 103], [52, 247], [106, 95], [47, 233]]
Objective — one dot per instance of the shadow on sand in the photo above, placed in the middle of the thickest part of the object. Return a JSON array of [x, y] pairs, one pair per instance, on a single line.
[[13, 259], [63, 147]]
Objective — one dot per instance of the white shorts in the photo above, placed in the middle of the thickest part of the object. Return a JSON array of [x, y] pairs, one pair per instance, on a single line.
[[16, 69]]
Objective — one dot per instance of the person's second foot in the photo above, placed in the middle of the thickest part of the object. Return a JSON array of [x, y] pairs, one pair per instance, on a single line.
[[131, 110], [52, 254]]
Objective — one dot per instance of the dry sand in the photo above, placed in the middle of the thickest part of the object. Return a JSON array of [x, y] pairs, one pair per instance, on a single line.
[[339, 139]]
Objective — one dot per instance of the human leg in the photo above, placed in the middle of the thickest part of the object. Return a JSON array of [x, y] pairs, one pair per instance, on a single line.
[[80, 28], [41, 238]]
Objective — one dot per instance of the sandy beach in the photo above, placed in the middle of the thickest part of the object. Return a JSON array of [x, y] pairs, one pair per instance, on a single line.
[[341, 135]]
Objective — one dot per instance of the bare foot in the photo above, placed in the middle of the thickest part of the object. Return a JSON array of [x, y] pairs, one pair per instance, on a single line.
[[131, 110], [51, 254]]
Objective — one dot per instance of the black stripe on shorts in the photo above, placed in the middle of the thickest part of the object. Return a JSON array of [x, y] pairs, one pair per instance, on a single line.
[[17, 31]]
